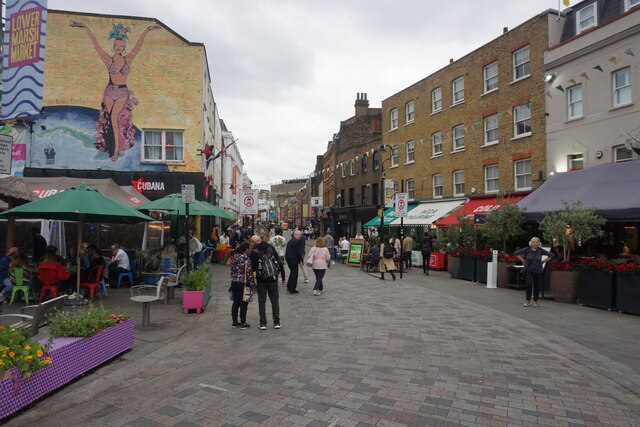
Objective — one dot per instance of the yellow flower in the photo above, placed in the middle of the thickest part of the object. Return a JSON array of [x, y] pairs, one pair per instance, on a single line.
[[26, 347], [39, 353], [28, 357], [12, 354], [1, 362]]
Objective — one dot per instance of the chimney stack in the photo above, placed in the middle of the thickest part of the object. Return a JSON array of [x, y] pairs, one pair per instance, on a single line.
[[505, 30], [362, 104]]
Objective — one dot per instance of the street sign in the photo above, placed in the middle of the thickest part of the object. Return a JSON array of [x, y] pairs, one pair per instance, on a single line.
[[389, 187], [188, 193], [248, 202], [316, 202], [6, 142], [401, 205]]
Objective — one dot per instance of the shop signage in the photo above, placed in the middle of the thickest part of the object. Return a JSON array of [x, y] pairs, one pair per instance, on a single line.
[[6, 141], [389, 187], [188, 193], [316, 202], [141, 185]]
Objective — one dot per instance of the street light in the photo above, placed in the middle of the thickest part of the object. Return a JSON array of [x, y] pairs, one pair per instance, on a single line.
[[382, 190]]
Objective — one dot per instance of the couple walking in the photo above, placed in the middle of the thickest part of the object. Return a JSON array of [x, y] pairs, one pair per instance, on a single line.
[[294, 255]]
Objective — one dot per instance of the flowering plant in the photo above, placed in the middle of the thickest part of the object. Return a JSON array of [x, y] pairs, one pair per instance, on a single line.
[[84, 322], [462, 252], [564, 266], [506, 258], [596, 265], [629, 269], [17, 350]]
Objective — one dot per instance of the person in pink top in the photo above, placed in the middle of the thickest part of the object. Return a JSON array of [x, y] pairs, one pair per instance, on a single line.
[[321, 258]]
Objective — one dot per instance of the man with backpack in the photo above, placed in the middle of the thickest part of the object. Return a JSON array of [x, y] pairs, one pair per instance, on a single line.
[[266, 267]]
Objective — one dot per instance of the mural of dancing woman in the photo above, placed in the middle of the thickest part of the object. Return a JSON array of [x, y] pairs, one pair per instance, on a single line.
[[115, 124]]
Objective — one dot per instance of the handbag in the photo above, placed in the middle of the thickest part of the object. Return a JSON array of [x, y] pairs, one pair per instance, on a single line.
[[247, 296], [310, 259]]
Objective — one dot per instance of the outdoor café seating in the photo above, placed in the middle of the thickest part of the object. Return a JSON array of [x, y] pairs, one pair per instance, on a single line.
[[21, 286], [93, 281], [129, 274], [50, 285]]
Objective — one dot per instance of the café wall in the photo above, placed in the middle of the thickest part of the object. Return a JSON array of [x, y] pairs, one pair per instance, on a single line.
[[167, 78]]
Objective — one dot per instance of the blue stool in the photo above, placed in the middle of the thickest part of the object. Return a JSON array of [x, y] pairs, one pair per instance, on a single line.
[[103, 287]]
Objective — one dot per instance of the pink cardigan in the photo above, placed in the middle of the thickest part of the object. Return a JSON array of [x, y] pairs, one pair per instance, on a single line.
[[321, 258]]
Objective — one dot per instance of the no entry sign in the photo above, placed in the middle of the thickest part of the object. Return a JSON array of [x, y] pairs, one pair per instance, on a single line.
[[401, 205]]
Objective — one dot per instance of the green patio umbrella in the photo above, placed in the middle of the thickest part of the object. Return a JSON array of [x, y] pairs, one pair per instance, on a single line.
[[82, 204], [173, 204]]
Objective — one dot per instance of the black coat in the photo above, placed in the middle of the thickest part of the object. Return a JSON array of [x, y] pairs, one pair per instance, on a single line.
[[293, 253]]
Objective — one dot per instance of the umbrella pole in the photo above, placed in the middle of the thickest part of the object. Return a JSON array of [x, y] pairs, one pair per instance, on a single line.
[[80, 223]]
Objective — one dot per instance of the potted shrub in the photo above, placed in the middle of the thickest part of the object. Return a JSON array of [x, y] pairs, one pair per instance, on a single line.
[[504, 261], [196, 284], [628, 287], [564, 281], [597, 283], [467, 261], [503, 224], [151, 266]]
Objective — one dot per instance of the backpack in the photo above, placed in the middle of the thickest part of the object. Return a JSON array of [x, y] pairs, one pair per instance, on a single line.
[[388, 251], [267, 266]]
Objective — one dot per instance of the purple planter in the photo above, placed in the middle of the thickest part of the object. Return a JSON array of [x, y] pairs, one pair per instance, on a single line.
[[72, 357]]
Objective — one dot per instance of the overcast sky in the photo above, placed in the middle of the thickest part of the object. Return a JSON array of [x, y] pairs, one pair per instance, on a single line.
[[286, 72]]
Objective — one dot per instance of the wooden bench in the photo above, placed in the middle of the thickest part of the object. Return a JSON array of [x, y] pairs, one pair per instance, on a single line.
[[40, 315]]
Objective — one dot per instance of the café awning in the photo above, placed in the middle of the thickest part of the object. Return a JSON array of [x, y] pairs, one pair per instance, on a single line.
[[479, 205], [429, 212], [612, 189], [389, 217]]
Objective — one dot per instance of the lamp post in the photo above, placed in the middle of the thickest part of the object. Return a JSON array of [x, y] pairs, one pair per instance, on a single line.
[[382, 191]]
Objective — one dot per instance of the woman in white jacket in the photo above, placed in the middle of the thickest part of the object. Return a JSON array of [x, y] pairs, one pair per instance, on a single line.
[[321, 258]]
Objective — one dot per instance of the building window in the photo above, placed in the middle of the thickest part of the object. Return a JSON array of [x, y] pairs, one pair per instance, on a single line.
[[394, 119], [522, 120], [437, 185], [575, 161], [491, 130], [458, 183], [458, 90], [436, 143], [342, 200], [411, 188], [521, 64], [628, 4], [411, 151], [436, 100], [458, 138], [363, 163], [622, 87], [351, 197], [363, 194], [163, 146], [586, 18], [622, 154], [491, 179], [376, 160], [523, 174], [375, 193], [343, 172], [491, 77], [394, 157], [574, 102], [352, 167], [408, 108]]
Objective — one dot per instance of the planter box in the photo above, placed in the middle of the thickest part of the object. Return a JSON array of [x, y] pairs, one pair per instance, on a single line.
[[597, 289], [564, 286], [195, 300], [72, 357], [436, 261], [468, 268], [481, 270], [453, 265], [503, 275], [628, 294]]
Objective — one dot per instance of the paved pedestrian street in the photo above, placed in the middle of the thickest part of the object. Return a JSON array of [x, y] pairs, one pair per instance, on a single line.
[[421, 351]]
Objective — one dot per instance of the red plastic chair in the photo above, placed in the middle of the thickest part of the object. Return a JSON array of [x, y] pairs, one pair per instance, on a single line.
[[48, 277], [93, 281]]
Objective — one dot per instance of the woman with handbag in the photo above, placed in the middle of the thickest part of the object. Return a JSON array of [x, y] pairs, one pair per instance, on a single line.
[[387, 263], [319, 258], [242, 284]]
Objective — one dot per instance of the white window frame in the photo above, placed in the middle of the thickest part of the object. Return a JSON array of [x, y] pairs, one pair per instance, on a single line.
[[411, 152], [352, 167], [436, 100], [492, 179], [575, 158], [575, 104], [409, 112], [436, 144], [394, 119], [163, 146], [628, 4], [436, 180], [579, 18], [394, 156], [490, 80], [457, 135], [410, 186], [619, 149], [623, 90], [520, 119], [523, 63], [523, 174], [491, 130], [343, 170], [457, 91], [458, 182], [363, 163]]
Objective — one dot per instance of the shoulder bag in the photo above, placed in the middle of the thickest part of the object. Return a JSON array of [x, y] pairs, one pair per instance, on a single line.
[[310, 259], [247, 296]]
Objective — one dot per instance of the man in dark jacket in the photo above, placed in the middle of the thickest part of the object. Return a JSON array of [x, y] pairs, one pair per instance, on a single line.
[[39, 246], [294, 257], [427, 245], [302, 243], [266, 286]]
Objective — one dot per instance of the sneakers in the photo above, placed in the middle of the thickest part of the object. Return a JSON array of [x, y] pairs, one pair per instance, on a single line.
[[244, 326], [263, 327], [316, 293], [294, 291], [235, 325], [306, 280], [535, 304], [72, 296], [526, 304], [276, 325]]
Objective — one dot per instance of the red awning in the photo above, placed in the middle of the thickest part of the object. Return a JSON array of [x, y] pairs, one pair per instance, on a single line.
[[480, 205]]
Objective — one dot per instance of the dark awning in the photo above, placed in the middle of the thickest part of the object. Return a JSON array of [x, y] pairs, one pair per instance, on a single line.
[[613, 190]]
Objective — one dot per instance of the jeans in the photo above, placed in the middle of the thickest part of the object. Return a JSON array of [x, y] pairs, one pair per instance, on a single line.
[[319, 276], [198, 259], [426, 255], [114, 272], [407, 259], [271, 289], [292, 282], [282, 264], [534, 284], [8, 285], [237, 288]]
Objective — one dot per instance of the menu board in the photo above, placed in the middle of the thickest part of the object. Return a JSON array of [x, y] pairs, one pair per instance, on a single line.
[[356, 247]]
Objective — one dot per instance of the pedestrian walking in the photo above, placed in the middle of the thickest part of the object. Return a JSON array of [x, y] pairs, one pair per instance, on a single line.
[[330, 245], [279, 242], [425, 247], [387, 263], [407, 248], [302, 242], [241, 276], [320, 261], [294, 257], [266, 264], [533, 269]]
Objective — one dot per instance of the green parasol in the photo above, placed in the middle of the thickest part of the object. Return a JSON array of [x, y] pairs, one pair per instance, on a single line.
[[173, 204]]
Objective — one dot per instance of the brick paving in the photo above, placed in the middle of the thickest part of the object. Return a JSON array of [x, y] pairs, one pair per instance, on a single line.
[[420, 351]]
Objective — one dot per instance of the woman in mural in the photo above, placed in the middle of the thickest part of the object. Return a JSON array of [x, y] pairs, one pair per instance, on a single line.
[[115, 125]]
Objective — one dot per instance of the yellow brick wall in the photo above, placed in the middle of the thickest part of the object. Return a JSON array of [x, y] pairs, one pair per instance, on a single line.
[[473, 158]]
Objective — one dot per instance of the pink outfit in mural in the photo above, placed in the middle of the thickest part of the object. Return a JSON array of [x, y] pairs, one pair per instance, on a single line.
[[105, 138]]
